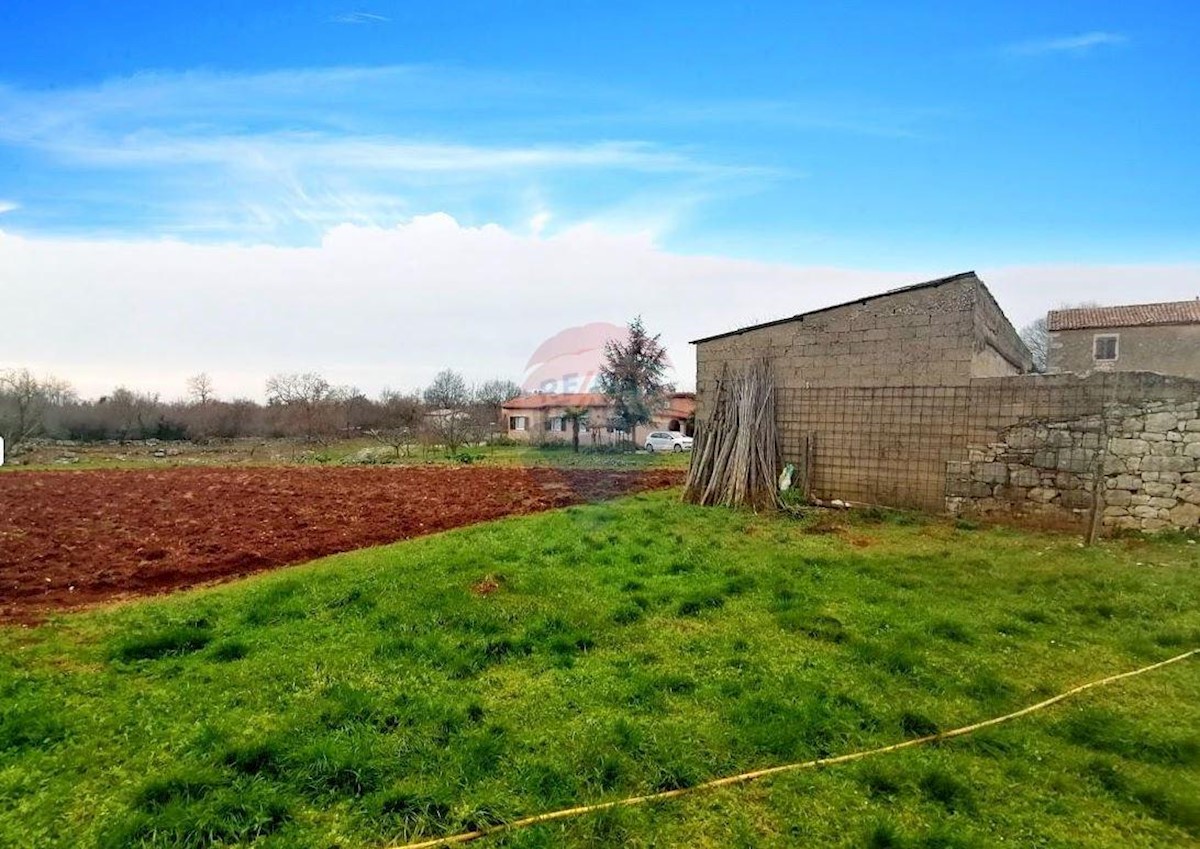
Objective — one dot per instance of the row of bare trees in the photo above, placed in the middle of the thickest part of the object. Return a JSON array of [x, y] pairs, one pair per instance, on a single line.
[[305, 406]]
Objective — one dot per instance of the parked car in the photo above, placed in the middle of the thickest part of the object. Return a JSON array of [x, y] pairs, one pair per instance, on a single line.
[[668, 440]]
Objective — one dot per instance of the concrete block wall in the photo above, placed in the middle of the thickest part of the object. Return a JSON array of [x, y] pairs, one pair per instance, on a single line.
[[877, 445], [923, 335]]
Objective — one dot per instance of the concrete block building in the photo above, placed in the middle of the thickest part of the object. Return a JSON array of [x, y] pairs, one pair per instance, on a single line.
[[1162, 338], [920, 397], [942, 332]]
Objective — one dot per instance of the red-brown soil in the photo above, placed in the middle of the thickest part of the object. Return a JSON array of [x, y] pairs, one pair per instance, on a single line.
[[72, 539]]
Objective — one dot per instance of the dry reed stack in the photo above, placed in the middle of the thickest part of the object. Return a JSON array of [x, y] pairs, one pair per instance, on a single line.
[[736, 457]]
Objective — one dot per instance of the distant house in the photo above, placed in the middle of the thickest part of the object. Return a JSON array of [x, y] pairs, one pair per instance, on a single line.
[[1163, 338], [541, 417]]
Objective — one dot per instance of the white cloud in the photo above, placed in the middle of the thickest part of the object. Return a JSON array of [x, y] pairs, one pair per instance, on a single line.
[[1083, 43], [286, 154], [379, 307], [8, 206]]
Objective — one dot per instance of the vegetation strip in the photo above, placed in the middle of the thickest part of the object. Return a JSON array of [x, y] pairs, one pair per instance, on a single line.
[[567, 813]]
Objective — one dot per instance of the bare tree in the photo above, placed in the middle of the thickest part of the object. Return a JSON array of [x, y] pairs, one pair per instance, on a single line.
[[200, 388], [450, 418], [130, 415], [305, 400], [496, 392], [1036, 335], [352, 405], [25, 402], [1037, 340], [399, 417]]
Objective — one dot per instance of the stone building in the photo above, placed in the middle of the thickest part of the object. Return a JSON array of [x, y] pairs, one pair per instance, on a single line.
[[1163, 338], [920, 397], [939, 333]]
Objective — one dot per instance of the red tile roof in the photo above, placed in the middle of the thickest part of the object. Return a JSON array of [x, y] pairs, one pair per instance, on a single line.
[[679, 406], [1133, 315]]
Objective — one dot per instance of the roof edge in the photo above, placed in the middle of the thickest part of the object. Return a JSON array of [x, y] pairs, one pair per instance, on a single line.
[[928, 284]]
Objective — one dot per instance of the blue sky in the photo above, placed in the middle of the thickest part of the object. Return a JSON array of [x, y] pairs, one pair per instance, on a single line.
[[377, 191], [873, 133]]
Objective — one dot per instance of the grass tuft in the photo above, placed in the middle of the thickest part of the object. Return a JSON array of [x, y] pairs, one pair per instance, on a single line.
[[172, 641]]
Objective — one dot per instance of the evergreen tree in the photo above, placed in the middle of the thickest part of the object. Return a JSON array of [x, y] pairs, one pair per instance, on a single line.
[[634, 377]]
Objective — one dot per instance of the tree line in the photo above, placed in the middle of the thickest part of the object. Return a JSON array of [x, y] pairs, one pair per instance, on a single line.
[[303, 406]]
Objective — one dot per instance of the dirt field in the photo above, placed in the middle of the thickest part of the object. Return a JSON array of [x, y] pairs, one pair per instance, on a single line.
[[71, 539]]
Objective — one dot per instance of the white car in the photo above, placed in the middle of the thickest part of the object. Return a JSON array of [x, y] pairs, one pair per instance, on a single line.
[[668, 440]]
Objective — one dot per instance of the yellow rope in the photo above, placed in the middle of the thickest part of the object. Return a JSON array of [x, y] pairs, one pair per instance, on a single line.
[[744, 777]]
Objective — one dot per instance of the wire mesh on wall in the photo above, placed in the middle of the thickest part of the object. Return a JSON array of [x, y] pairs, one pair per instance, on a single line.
[[915, 446]]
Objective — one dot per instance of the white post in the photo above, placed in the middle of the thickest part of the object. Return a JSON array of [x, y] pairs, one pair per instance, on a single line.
[[1, 450]]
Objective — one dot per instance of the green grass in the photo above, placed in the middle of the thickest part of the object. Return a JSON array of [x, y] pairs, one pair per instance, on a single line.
[[281, 452], [628, 647]]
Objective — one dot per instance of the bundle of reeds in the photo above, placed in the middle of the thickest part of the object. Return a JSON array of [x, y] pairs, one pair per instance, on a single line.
[[736, 459]]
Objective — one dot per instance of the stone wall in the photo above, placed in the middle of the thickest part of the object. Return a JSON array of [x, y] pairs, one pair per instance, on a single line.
[[1030, 444], [1136, 435]]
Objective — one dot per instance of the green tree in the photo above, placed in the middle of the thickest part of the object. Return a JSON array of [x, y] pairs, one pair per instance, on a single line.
[[633, 376]]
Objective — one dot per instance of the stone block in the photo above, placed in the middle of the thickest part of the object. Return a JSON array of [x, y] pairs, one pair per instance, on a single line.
[[1155, 524], [1164, 490], [1189, 493], [1168, 464], [1161, 422], [1075, 499], [1118, 497], [1129, 482], [990, 472], [1058, 438], [968, 489], [1045, 458], [1128, 447], [1192, 449], [1144, 512], [1124, 522], [1026, 437], [1024, 476], [1185, 515], [1042, 495], [1075, 460], [1113, 510], [1007, 493]]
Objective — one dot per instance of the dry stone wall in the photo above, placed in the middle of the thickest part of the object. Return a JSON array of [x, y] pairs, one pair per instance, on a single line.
[[1023, 445], [1135, 437]]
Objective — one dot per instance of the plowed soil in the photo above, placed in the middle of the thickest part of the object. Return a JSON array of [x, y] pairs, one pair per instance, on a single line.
[[73, 539]]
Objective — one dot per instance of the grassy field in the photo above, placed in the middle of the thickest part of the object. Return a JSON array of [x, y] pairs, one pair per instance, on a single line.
[[586, 654], [142, 455]]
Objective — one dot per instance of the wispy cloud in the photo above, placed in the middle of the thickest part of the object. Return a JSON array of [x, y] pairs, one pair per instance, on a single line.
[[287, 154], [359, 18], [1074, 44], [8, 206]]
